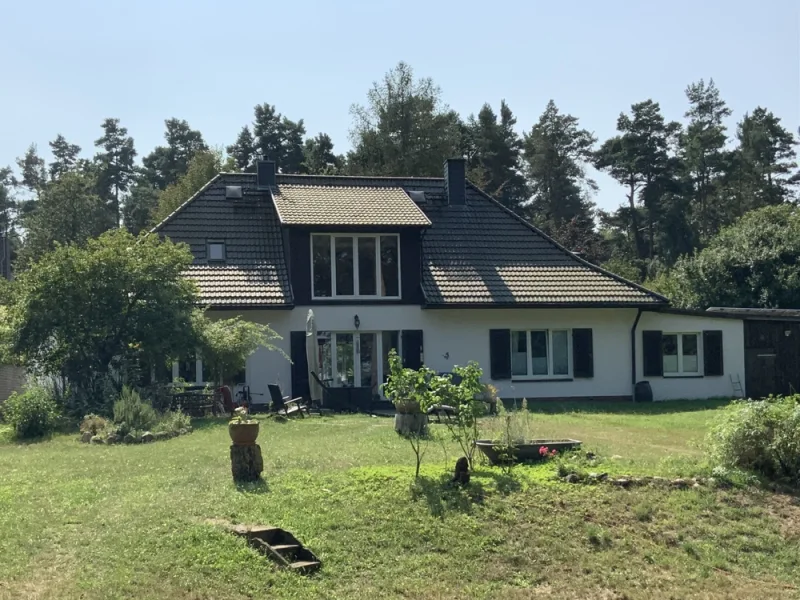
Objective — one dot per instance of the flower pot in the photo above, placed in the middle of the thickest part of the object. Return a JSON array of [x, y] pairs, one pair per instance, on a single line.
[[243, 434]]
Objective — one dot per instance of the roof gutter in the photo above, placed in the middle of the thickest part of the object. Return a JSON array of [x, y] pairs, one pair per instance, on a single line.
[[633, 346]]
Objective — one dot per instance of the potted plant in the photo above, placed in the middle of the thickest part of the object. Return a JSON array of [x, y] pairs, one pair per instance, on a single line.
[[243, 428], [409, 391]]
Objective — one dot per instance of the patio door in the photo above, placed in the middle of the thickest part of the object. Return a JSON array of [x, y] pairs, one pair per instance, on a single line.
[[356, 359]]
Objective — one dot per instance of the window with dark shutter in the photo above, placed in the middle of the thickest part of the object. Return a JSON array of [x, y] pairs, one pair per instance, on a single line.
[[582, 353], [297, 340], [652, 358], [500, 353], [712, 353], [412, 348]]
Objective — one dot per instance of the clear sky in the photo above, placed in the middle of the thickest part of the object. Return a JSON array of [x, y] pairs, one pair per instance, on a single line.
[[68, 65]]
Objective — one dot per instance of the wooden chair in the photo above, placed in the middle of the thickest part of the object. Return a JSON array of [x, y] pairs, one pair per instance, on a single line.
[[289, 406]]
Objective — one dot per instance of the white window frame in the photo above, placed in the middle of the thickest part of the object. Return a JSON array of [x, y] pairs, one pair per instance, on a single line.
[[357, 355], [356, 283], [680, 372], [549, 375]]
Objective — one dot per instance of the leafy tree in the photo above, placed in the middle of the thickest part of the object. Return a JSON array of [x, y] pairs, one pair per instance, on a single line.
[[115, 168], [243, 150], [493, 155], [641, 159], [7, 213], [704, 157], [405, 128], [766, 160], [65, 156], [83, 312], [141, 203], [202, 169], [753, 263], [225, 344], [555, 152], [318, 156], [166, 164], [68, 212]]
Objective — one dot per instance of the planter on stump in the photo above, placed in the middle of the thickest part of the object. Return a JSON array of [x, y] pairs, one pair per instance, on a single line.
[[246, 460]]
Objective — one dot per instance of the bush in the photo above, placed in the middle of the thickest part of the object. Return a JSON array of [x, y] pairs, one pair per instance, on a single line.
[[173, 422], [94, 424], [132, 411], [33, 413], [761, 437]]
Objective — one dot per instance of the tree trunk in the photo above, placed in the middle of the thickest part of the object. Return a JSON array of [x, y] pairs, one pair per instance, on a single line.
[[246, 463]]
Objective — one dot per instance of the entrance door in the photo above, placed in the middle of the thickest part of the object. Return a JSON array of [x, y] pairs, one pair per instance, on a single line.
[[761, 366]]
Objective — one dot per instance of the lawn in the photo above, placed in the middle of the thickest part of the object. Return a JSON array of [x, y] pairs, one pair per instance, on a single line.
[[79, 521]]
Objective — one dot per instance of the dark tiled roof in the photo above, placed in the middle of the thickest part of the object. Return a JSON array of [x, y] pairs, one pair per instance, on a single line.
[[758, 314], [346, 205], [254, 272], [478, 254]]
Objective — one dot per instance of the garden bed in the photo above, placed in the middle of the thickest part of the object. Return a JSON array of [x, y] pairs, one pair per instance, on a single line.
[[527, 451]]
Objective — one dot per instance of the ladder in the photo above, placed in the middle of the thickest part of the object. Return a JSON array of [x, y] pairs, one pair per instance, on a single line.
[[737, 386]]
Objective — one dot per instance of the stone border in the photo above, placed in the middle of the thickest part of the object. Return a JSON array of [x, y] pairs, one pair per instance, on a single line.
[[629, 481], [145, 438]]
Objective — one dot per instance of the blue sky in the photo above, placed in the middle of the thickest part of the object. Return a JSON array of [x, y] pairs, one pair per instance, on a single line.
[[68, 65]]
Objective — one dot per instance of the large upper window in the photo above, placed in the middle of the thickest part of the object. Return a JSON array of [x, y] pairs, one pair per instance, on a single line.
[[540, 353], [355, 266], [680, 353]]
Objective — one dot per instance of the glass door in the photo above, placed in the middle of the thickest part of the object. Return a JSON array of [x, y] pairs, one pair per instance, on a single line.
[[351, 359]]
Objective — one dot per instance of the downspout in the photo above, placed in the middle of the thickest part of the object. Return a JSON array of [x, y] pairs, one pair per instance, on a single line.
[[633, 347]]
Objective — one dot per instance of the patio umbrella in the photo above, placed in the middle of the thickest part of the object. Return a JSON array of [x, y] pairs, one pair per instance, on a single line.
[[312, 356]]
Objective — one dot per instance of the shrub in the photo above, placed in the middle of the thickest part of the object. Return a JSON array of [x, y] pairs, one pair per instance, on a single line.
[[762, 437], [135, 413], [94, 424], [33, 413], [173, 422]]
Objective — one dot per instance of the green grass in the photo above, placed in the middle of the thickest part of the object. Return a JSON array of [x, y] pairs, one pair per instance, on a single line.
[[79, 521]]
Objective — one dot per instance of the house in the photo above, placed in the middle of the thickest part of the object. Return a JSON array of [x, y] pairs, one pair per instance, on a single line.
[[440, 271]]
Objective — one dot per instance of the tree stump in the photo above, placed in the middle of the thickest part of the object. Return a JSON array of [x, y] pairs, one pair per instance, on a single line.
[[411, 423], [246, 462]]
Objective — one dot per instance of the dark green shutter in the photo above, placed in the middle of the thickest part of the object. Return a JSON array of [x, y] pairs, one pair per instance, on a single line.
[[412, 348], [712, 353], [500, 353], [297, 340], [652, 354], [582, 353]]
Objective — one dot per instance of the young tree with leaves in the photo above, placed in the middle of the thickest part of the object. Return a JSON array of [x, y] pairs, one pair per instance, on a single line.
[[115, 166], [166, 164], [555, 153], [404, 129], [493, 155]]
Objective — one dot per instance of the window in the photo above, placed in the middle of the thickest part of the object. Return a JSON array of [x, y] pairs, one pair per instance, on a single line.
[[680, 353], [357, 359], [216, 251], [355, 266], [540, 353]]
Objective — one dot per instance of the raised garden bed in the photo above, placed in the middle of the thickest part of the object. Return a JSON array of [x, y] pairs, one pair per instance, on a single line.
[[526, 451]]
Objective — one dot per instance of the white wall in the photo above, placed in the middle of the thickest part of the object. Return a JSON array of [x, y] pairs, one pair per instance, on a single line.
[[454, 337], [668, 388]]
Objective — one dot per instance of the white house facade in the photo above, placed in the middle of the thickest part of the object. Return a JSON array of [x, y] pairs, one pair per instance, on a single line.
[[442, 273]]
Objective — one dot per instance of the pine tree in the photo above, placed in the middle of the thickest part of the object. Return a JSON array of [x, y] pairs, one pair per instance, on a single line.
[[277, 138], [704, 157], [33, 170], [141, 203], [555, 152], [7, 221], [493, 155], [405, 128], [65, 155], [115, 167], [166, 164], [243, 150]]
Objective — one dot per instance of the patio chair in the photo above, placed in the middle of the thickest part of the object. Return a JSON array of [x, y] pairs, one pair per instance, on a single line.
[[338, 399], [289, 406]]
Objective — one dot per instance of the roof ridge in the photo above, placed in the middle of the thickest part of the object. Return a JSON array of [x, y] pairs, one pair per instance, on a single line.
[[574, 256]]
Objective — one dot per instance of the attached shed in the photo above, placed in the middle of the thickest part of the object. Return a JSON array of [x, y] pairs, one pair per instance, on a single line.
[[772, 349]]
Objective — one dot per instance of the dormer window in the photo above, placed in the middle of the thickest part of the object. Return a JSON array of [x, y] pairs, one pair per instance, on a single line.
[[355, 266], [216, 251]]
